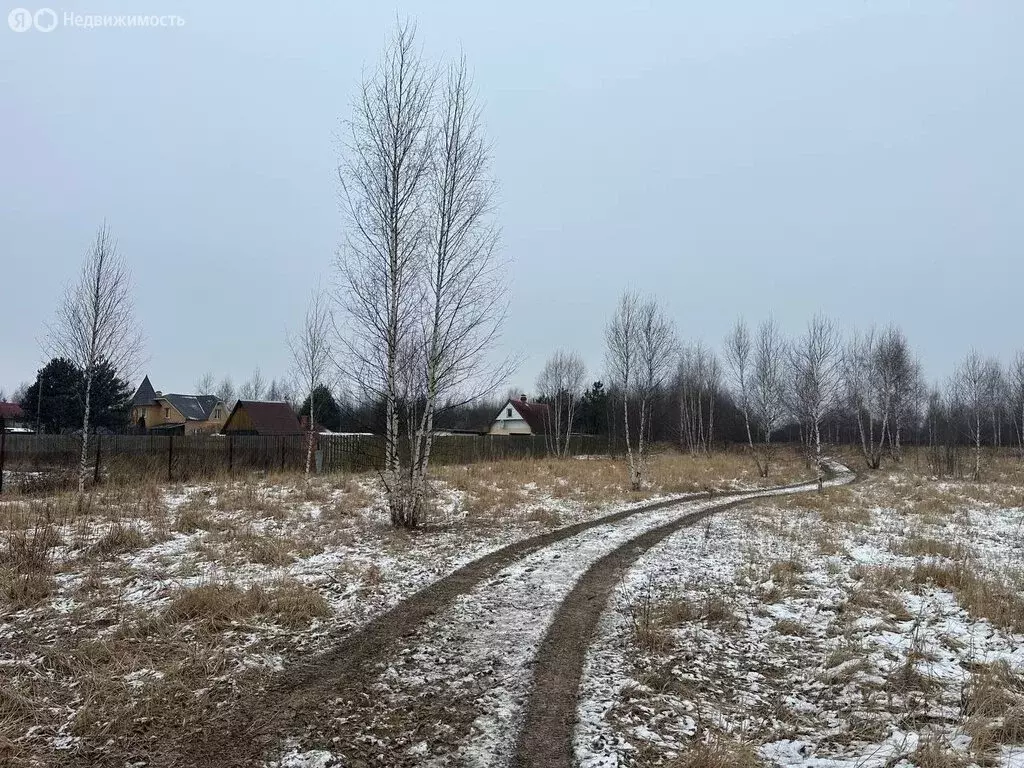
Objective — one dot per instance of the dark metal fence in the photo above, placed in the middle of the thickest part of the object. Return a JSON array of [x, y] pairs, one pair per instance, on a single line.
[[181, 457]]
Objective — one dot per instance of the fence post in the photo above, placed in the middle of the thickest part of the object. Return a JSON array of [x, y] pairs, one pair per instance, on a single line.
[[96, 469], [282, 452], [231, 453], [170, 455]]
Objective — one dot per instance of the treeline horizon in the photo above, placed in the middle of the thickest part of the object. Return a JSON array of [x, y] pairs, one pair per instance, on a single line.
[[880, 394]]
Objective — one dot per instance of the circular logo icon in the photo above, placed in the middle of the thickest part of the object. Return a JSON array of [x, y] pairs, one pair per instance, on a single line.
[[20, 20], [45, 20]]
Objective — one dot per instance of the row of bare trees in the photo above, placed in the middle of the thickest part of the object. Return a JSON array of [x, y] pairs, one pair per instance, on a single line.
[[867, 389]]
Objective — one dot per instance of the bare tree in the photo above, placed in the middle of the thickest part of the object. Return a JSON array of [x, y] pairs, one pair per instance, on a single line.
[[254, 388], [96, 324], [996, 396], [898, 373], [421, 283], [561, 383], [768, 390], [226, 392], [275, 391], [969, 387], [815, 371], [640, 346], [1015, 386], [205, 384], [20, 393], [312, 356], [463, 295], [738, 347], [384, 176], [876, 372], [698, 380]]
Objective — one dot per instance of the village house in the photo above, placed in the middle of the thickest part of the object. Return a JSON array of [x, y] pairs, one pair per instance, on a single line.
[[154, 411], [13, 419], [520, 417], [262, 417]]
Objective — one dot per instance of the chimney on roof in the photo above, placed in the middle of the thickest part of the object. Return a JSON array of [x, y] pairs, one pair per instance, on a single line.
[[522, 398]]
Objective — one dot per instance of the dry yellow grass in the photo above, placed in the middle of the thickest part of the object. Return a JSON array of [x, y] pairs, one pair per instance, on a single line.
[[718, 753], [218, 606], [993, 703], [492, 490]]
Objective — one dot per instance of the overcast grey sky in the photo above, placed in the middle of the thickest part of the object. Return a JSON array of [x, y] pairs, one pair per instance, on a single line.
[[860, 158]]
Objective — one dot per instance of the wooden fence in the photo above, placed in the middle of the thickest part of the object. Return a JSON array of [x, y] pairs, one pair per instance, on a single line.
[[182, 457]]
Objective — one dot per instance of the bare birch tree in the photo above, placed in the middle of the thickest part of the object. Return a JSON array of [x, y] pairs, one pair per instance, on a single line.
[[561, 383], [698, 380], [312, 356], [868, 376], [421, 280], [815, 370], [640, 346], [768, 390], [1015, 387], [996, 396], [970, 392], [464, 303], [96, 324], [738, 347], [384, 175], [898, 374]]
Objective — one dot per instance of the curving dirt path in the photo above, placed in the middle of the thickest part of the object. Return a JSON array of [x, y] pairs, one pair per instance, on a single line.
[[297, 704], [546, 737], [444, 678]]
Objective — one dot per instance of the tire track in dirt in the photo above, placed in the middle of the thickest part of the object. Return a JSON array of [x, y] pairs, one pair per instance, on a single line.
[[305, 698], [546, 736]]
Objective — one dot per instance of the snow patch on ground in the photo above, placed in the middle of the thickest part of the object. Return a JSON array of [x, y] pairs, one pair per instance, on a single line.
[[771, 671]]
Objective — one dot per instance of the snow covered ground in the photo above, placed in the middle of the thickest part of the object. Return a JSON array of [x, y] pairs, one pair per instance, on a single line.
[[147, 607], [876, 626], [477, 655]]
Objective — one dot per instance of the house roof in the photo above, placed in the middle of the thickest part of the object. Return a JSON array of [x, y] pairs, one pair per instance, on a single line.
[[269, 417], [145, 394], [534, 414], [192, 407], [208, 403], [11, 411]]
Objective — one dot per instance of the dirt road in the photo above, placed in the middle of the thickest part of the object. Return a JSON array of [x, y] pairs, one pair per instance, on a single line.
[[481, 668]]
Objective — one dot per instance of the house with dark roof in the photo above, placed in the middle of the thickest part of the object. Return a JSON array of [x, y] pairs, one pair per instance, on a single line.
[[262, 417], [13, 418], [154, 411], [521, 417]]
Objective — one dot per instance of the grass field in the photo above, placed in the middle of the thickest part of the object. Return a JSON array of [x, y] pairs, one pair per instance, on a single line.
[[874, 625], [139, 609]]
